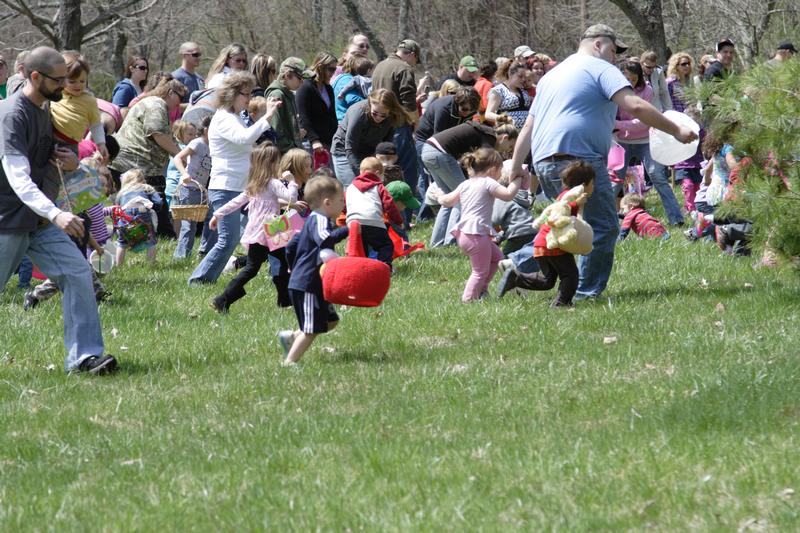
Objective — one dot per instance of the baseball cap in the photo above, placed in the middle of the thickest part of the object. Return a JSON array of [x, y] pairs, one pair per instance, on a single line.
[[524, 51], [297, 66], [409, 45], [602, 30], [786, 45], [470, 63], [401, 191], [386, 148], [724, 42]]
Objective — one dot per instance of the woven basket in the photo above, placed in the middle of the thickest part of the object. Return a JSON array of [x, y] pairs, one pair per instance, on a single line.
[[190, 212]]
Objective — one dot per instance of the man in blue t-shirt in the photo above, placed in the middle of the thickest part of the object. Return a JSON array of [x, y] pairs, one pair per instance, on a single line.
[[572, 117], [190, 59]]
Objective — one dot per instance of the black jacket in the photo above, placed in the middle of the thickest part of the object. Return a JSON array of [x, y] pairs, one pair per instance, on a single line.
[[316, 118]]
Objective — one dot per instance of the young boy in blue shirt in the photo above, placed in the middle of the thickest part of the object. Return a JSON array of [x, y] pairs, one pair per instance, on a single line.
[[325, 196]]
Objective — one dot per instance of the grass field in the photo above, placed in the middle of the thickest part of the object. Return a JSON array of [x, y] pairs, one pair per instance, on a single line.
[[671, 403]]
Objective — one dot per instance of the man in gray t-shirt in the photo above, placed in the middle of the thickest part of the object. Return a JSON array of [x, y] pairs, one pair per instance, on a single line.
[[572, 118], [30, 224]]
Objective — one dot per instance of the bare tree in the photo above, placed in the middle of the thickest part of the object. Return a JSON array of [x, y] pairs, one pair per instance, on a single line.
[[648, 20], [354, 14], [61, 22]]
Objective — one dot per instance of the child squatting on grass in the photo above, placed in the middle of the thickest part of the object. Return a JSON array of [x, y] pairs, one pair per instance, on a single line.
[[325, 196], [261, 195], [474, 232]]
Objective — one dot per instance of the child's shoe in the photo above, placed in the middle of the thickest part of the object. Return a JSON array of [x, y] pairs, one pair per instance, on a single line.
[[286, 338], [504, 265], [219, 304], [230, 266], [30, 301]]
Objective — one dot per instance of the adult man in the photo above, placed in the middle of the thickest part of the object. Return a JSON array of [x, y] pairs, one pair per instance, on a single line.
[[467, 73], [396, 73], [722, 68], [360, 45], [17, 80], [655, 75], [572, 118], [523, 53], [190, 59], [30, 224], [784, 52]]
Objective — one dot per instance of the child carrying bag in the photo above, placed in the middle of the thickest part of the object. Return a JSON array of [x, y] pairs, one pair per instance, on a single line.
[[281, 228]]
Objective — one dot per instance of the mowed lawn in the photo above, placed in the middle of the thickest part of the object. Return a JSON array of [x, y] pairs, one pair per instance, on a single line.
[[671, 403]]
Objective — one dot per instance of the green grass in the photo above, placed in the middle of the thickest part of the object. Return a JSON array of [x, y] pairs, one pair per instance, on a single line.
[[423, 414]]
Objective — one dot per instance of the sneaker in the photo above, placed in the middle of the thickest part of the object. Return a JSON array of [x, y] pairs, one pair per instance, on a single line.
[[101, 295], [286, 338], [690, 235], [504, 265], [230, 266], [98, 365], [219, 304], [30, 301], [507, 282]]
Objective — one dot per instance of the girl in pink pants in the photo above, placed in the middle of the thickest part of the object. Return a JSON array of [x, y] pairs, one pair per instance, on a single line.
[[474, 232]]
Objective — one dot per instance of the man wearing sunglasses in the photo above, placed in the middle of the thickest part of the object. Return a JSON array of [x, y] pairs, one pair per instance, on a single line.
[[655, 76], [31, 224], [187, 73]]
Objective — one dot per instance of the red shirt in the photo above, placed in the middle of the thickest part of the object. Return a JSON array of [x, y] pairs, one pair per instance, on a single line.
[[540, 241], [483, 86], [642, 223]]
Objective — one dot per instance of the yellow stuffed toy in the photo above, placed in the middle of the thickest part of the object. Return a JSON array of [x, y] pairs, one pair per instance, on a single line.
[[564, 231]]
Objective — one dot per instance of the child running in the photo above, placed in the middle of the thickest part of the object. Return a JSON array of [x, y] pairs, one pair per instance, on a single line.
[[325, 196], [474, 232], [556, 263], [135, 218], [261, 195], [636, 218]]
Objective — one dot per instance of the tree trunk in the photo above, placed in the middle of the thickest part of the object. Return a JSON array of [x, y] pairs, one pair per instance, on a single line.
[[402, 20], [648, 19], [69, 30]]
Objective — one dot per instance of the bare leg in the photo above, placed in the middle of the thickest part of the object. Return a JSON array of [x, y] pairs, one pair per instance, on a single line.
[[120, 256], [301, 343], [151, 254]]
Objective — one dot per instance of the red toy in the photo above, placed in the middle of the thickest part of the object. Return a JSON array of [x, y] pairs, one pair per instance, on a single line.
[[355, 280]]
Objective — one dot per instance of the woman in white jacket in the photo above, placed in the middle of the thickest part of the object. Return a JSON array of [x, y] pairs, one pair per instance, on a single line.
[[230, 143]]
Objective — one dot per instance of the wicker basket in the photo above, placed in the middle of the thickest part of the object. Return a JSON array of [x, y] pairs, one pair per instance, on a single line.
[[190, 212]]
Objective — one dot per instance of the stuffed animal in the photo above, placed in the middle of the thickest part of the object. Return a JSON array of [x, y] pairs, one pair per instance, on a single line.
[[558, 216]]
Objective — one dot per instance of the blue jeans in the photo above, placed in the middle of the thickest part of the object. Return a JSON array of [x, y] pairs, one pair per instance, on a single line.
[[658, 175], [344, 172], [188, 228], [407, 159], [447, 174], [422, 183], [600, 212], [25, 273], [229, 230], [58, 259], [523, 259]]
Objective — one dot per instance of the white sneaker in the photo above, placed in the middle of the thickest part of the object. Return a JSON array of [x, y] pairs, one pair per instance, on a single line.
[[230, 266], [286, 338], [504, 265]]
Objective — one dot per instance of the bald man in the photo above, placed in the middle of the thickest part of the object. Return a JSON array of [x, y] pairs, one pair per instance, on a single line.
[[190, 53], [31, 224]]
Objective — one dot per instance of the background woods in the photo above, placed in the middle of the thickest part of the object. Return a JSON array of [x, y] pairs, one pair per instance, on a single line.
[[108, 31]]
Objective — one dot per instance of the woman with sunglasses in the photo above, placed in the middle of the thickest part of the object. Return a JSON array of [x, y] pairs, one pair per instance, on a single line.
[[365, 124], [132, 84], [679, 78], [232, 58], [316, 104]]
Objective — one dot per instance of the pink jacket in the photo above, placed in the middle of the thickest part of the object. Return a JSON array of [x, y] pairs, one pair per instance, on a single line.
[[259, 209], [632, 129]]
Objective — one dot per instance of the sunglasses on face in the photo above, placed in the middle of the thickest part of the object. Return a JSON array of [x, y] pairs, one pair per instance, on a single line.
[[194, 54], [685, 64], [364, 45], [141, 67]]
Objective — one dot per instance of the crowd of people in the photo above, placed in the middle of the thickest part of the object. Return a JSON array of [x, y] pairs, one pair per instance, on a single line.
[[351, 139]]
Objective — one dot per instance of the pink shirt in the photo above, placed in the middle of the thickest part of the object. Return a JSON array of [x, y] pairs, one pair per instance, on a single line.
[[259, 209], [477, 200]]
